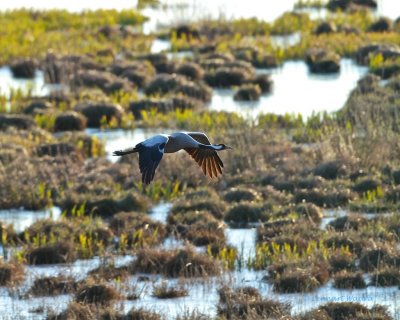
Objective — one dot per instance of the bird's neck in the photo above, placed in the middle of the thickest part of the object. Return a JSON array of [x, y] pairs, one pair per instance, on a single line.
[[209, 147]]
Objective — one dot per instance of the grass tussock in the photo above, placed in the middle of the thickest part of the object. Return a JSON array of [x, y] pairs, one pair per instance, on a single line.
[[61, 252], [91, 293], [184, 262], [104, 206], [11, 273], [349, 280], [247, 303], [389, 276], [52, 285], [214, 206], [165, 291]]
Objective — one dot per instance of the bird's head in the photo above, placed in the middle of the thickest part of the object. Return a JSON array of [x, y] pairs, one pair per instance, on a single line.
[[222, 146]]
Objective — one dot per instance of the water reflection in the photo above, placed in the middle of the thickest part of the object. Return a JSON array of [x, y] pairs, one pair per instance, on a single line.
[[118, 139], [22, 219], [35, 85], [286, 40], [160, 212], [297, 91]]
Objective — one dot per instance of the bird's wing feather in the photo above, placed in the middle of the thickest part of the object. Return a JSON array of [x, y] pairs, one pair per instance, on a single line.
[[151, 152], [199, 137], [208, 161]]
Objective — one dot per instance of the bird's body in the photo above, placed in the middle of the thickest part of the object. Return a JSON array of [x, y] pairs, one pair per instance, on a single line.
[[196, 144]]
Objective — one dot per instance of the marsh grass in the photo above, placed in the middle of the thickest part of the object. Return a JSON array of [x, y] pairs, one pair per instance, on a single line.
[[63, 31], [389, 276], [104, 206], [101, 294], [52, 254], [247, 303], [11, 273], [183, 262], [348, 280], [165, 291], [52, 285]]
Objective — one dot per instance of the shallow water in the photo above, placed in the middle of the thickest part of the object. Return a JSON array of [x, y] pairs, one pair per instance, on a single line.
[[160, 212], [35, 85], [21, 219], [203, 293], [12, 302], [119, 139], [181, 11], [295, 90]]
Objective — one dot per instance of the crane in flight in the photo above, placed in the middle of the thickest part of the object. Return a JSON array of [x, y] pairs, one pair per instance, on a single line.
[[196, 144]]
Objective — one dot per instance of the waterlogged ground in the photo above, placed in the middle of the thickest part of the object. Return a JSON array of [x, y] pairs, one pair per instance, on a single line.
[[295, 91], [281, 167], [203, 293]]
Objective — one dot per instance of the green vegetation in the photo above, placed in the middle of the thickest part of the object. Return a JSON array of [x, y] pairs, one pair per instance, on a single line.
[[281, 176], [62, 32]]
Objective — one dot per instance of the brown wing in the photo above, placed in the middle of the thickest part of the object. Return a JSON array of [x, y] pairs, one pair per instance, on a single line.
[[208, 160]]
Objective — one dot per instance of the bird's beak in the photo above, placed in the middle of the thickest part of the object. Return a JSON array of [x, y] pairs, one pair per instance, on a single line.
[[228, 147]]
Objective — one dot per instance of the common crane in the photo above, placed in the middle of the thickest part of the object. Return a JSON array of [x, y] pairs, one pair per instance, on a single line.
[[196, 144]]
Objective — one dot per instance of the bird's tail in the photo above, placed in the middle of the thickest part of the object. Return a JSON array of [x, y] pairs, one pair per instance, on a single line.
[[124, 152]]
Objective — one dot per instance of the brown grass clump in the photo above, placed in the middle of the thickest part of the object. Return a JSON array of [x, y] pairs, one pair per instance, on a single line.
[[228, 295], [366, 185], [164, 291], [389, 276], [105, 206], [247, 303], [341, 260], [310, 211], [10, 273], [61, 252], [192, 217], [53, 285], [109, 272], [348, 222], [199, 227], [70, 121], [349, 280], [74, 311], [140, 228], [246, 212], [323, 198], [101, 294], [345, 311], [45, 229], [201, 193], [142, 314], [296, 281], [241, 194], [201, 235], [289, 231], [349, 240], [331, 169], [248, 92], [372, 259], [192, 315], [175, 263], [212, 205], [78, 311]]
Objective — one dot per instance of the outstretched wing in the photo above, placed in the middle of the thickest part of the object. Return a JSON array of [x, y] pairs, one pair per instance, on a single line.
[[151, 152], [208, 160], [199, 137]]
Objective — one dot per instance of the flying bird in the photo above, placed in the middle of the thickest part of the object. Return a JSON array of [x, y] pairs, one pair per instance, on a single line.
[[196, 144]]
